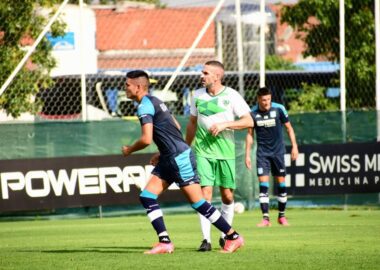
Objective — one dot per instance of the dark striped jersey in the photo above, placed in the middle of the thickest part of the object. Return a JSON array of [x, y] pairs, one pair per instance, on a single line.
[[268, 129], [166, 135]]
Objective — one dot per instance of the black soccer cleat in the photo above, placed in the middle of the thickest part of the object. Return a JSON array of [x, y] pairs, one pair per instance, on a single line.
[[205, 246]]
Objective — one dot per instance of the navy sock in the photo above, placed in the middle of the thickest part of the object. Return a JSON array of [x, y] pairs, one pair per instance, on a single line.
[[212, 214], [149, 201], [264, 199], [282, 199]]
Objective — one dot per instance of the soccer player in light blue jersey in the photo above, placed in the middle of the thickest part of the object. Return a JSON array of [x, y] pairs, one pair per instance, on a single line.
[[175, 163], [269, 118]]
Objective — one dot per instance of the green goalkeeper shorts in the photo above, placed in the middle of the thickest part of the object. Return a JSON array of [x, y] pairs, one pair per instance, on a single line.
[[216, 172]]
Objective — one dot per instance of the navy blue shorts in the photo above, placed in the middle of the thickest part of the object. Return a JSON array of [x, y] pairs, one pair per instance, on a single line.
[[274, 164], [181, 169]]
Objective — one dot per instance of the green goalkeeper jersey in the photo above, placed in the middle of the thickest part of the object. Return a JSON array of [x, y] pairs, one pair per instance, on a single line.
[[225, 106]]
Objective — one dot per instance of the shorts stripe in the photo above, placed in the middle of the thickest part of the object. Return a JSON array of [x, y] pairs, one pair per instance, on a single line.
[[184, 164]]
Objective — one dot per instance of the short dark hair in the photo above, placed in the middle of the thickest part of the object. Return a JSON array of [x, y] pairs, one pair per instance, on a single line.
[[137, 74], [264, 91], [215, 63]]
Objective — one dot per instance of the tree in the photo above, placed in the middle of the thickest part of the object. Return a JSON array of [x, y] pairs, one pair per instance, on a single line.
[[311, 99], [20, 24], [318, 24], [275, 62]]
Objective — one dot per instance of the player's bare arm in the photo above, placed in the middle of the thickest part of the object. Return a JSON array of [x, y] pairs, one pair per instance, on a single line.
[[176, 123], [191, 129], [292, 137], [243, 122], [248, 147], [145, 140]]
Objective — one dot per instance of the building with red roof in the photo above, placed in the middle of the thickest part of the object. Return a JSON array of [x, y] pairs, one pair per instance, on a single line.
[[145, 38]]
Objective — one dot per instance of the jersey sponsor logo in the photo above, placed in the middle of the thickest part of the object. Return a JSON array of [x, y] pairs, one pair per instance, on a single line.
[[266, 123]]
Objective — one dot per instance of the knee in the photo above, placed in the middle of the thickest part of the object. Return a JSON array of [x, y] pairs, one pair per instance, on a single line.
[[207, 194], [227, 197]]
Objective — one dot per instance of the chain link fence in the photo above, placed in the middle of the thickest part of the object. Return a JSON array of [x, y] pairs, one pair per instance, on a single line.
[[105, 41]]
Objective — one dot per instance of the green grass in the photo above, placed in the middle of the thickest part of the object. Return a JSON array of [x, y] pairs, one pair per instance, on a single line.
[[316, 239]]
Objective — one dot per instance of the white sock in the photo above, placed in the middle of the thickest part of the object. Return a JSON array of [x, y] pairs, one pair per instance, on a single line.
[[164, 233], [228, 213], [205, 227]]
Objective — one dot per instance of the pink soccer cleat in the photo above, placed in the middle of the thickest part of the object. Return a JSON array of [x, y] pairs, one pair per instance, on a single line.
[[264, 223], [232, 245], [161, 248], [283, 221]]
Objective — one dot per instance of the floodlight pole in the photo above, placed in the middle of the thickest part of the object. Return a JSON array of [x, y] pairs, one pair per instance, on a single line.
[[377, 48], [239, 43], [262, 43], [33, 47], [342, 61], [193, 46], [82, 64], [219, 41]]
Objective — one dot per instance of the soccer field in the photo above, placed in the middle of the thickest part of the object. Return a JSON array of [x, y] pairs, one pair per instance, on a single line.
[[317, 239]]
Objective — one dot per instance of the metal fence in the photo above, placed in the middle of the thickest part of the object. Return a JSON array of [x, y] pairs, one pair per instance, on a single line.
[[102, 42]]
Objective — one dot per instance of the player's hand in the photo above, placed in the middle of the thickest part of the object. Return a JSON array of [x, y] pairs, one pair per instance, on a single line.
[[215, 129], [294, 153], [154, 159], [248, 163], [126, 150]]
